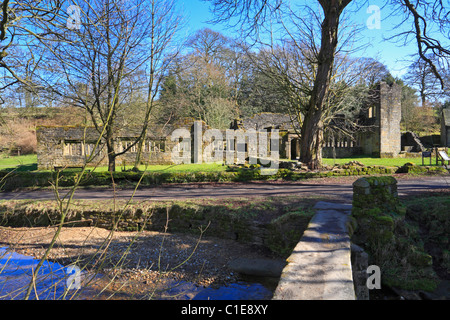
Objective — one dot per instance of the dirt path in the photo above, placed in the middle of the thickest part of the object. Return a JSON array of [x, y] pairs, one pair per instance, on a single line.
[[337, 186]]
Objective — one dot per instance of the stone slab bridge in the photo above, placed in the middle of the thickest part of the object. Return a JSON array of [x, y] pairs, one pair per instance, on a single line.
[[325, 265], [320, 266]]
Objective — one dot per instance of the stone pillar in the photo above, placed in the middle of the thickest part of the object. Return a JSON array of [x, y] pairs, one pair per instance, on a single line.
[[389, 115], [197, 141], [375, 207]]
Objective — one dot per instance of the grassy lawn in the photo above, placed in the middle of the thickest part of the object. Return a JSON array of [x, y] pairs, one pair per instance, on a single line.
[[212, 167], [29, 163], [379, 162]]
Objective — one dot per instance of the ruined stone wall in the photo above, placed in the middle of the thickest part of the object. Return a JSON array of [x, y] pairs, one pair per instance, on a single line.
[[72, 146], [59, 147], [411, 142], [390, 115], [383, 138], [184, 142], [340, 147], [370, 142], [344, 152]]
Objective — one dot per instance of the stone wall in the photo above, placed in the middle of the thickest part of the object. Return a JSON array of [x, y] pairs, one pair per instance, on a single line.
[[411, 142], [344, 152], [360, 264], [374, 200], [392, 242], [278, 234], [59, 146]]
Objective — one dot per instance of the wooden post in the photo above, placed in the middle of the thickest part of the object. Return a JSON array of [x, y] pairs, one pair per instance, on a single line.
[[437, 156]]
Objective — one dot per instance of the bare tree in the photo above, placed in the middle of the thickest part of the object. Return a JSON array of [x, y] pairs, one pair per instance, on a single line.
[[430, 26], [254, 15], [165, 23], [209, 45], [421, 76], [98, 58], [18, 58], [291, 71], [203, 83]]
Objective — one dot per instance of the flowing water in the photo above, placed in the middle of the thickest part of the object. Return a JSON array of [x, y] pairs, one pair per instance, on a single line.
[[53, 281]]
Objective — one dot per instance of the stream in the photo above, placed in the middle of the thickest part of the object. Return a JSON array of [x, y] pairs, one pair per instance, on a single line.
[[54, 280]]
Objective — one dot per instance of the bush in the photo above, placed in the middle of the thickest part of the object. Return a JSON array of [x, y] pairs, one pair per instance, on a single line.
[[233, 174], [415, 169]]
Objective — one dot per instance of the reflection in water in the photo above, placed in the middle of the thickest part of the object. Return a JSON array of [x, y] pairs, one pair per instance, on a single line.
[[16, 273], [234, 291], [52, 282]]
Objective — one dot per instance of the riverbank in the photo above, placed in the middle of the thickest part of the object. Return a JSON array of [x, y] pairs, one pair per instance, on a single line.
[[138, 263]]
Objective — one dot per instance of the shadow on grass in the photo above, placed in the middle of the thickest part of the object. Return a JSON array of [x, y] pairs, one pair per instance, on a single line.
[[27, 167]]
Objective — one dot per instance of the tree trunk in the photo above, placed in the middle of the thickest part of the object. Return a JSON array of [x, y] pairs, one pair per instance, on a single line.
[[140, 149], [312, 129], [111, 155], [312, 140]]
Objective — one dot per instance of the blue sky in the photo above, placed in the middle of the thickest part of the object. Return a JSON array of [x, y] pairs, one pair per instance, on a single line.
[[393, 55]]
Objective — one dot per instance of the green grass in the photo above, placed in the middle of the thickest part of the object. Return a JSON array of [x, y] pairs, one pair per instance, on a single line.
[[212, 167], [24, 163], [29, 163], [388, 162]]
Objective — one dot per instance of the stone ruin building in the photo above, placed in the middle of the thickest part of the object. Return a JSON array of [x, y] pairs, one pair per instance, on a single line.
[[60, 147], [382, 118], [382, 137]]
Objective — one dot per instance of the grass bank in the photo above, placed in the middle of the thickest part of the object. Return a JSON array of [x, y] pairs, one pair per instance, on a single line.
[[370, 161], [29, 163], [194, 173]]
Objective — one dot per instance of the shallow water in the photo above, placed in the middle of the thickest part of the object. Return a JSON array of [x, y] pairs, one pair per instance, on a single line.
[[52, 283], [234, 291], [16, 273]]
